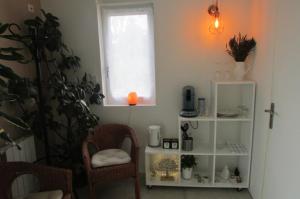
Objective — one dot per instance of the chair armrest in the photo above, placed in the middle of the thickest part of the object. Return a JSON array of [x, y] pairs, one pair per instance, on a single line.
[[134, 146], [68, 196], [86, 156], [54, 178]]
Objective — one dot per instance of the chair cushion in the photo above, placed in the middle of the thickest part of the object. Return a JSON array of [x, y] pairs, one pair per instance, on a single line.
[[57, 194], [110, 157]]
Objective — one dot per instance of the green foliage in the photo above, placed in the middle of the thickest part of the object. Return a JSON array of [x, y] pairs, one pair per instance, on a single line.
[[67, 111], [188, 161], [49, 35], [18, 122], [4, 136], [13, 88], [68, 98], [240, 47]]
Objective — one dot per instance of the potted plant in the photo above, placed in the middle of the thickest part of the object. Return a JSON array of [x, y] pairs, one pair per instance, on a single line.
[[64, 97], [239, 48], [187, 164]]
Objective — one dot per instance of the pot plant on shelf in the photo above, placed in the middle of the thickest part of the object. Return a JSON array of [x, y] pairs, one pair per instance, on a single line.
[[187, 164], [239, 48]]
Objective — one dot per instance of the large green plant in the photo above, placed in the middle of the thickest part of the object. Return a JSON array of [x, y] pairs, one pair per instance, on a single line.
[[14, 89], [67, 97]]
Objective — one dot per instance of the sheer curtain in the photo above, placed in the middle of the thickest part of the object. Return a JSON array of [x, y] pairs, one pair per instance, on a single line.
[[128, 42]]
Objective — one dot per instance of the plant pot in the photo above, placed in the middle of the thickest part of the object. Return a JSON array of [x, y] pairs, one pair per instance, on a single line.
[[187, 173], [240, 71]]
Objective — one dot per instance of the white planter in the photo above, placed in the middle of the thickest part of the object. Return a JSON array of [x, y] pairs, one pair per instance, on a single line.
[[240, 70], [187, 173]]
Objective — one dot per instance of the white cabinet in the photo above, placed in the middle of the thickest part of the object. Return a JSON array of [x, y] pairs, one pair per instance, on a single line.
[[217, 141]]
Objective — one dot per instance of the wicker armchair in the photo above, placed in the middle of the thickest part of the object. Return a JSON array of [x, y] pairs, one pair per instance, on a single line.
[[49, 178], [111, 136]]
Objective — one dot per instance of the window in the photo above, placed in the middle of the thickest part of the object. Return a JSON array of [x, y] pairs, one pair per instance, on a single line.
[[127, 53]]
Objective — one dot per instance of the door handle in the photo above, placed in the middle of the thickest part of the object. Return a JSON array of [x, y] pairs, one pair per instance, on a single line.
[[271, 111]]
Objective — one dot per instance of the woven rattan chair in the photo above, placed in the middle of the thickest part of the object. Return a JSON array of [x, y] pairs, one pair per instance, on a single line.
[[49, 178], [111, 136]]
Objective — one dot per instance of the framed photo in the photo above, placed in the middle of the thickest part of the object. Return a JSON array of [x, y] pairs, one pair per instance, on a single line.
[[170, 143], [166, 143], [174, 144]]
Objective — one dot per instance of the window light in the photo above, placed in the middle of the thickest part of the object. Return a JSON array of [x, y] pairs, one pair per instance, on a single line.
[[127, 48]]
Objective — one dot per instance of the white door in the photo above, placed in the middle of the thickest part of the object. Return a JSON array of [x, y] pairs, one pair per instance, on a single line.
[[282, 172]]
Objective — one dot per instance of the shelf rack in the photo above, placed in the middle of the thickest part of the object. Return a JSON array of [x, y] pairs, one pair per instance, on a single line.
[[217, 141]]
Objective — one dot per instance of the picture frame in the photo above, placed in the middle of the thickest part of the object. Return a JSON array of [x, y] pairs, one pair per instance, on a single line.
[[170, 143]]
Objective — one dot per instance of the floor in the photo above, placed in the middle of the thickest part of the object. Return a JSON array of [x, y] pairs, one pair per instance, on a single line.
[[125, 190]]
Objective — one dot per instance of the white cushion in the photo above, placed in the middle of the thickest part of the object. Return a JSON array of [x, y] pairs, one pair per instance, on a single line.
[[110, 157], [57, 194]]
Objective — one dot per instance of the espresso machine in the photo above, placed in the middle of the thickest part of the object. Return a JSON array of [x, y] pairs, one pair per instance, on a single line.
[[188, 102]]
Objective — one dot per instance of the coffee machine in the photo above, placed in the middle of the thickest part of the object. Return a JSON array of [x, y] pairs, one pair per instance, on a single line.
[[188, 102]]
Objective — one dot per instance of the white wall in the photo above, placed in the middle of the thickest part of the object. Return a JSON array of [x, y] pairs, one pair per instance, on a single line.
[[186, 53]]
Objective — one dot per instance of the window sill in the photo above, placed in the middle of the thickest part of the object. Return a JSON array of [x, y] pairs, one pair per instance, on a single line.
[[126, 105]]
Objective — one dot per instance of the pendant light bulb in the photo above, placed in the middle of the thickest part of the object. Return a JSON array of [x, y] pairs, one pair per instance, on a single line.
[[216, 25]]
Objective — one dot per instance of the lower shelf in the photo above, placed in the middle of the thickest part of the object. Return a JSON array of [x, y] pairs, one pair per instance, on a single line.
[[162, 183], [194, 183], [231, 185], [163, 167]]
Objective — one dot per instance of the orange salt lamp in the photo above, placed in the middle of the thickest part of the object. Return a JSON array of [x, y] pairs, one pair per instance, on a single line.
[[132, 98]]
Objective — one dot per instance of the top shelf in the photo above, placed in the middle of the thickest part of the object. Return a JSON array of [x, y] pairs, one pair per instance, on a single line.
[[198, 118], [234, 82], [212, 119]]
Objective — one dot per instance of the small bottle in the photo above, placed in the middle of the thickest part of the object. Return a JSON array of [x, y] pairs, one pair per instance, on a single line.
[[201, 106]]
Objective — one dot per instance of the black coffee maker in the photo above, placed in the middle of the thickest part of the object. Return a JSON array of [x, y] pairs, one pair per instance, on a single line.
[[188, 102]]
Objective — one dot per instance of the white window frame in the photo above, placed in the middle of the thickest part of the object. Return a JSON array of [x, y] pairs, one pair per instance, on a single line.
[[109, 100]]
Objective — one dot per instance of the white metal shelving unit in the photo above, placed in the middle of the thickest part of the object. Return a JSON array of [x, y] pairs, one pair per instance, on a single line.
[[217, 141]]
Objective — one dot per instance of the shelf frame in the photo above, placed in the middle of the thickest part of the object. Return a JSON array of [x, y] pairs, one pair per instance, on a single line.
[[213, 152]]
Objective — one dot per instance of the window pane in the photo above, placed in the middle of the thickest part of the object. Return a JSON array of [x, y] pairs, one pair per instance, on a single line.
[[129, 53]]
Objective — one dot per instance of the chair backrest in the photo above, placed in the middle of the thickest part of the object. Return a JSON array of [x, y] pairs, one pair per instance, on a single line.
[[110, 136], [49, 178]]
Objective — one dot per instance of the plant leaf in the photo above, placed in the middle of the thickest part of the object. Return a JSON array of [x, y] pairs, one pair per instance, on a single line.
[[18, 122], [3, 28], [4, 136], [7, 97], [8, 72]]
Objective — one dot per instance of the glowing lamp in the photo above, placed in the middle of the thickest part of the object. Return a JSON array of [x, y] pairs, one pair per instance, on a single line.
[[216, 25], [132, 98]]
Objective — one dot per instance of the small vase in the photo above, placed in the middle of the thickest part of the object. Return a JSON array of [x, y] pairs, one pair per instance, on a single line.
[[225, 174], [240, 71], [187, 173]]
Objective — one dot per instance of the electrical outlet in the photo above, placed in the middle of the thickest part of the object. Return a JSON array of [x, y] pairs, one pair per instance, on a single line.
[[30, 8]]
